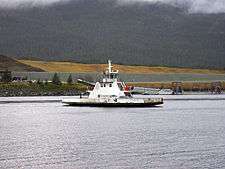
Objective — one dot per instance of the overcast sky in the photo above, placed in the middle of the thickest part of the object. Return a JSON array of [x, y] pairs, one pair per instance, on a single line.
[[19, 3], [194, 6]]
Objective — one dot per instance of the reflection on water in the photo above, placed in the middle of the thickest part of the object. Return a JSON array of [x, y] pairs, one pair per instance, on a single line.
[[181, 134]]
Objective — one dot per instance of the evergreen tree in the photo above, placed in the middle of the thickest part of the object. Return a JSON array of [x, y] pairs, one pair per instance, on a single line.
[[70, 79], [7, 76], [56, 80]]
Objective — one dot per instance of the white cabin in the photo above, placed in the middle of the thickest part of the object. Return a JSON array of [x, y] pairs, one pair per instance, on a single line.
[[110, 86]]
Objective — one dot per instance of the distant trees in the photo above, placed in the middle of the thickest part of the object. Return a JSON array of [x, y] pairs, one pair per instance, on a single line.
[[6, 76], [70, 79], [160, 44], [56, 80]]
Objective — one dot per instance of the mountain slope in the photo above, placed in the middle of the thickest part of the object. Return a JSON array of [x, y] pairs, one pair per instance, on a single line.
[[7, 63], [91, 31]]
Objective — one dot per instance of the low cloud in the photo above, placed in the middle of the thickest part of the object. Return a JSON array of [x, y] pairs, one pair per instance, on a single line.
[[193, 6], [27, 3]]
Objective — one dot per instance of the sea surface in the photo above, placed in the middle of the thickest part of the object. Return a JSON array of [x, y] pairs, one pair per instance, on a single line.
[[183, 133]]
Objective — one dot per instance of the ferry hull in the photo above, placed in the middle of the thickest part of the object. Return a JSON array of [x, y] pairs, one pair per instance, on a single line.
[[114, 104], [123, 103]]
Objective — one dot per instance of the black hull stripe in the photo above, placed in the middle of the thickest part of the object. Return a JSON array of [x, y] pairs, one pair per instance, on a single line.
[[114, 104]]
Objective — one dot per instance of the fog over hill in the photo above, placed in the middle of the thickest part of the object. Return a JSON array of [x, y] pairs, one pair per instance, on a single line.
[[151, 32]]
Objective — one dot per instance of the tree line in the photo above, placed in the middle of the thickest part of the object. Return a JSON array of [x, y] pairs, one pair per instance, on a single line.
[[6, 77]]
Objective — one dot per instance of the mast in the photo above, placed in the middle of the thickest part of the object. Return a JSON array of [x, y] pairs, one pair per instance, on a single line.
[[110, 66], [110, 73]]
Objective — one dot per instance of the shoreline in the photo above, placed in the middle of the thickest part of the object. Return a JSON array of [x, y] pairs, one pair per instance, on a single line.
[[21, 89], [26, 89]]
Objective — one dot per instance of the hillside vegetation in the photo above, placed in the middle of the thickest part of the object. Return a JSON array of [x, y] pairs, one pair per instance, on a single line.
[[78, 67], [91, 31]]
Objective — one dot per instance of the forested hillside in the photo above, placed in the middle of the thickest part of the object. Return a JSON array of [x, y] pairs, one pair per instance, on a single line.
[[91, 31]]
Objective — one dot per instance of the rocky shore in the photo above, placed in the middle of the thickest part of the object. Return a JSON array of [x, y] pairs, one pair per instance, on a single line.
[[23, 89], [27, 92]]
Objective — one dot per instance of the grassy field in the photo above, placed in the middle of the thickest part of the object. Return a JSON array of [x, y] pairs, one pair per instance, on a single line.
[[87, 68]]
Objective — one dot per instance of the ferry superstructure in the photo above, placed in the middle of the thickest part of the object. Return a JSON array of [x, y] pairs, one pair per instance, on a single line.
[[111, 92]]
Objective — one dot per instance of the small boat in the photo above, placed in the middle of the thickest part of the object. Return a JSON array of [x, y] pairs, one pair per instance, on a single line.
[[165, 92], [111, 92]]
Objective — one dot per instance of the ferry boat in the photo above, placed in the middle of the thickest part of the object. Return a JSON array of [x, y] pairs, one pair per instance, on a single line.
[[111, 92]]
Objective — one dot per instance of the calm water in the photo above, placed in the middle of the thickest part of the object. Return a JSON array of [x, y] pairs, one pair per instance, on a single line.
[[181, 134]]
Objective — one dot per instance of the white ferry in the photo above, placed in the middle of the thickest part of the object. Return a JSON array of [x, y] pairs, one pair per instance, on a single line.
[[111, 92]]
